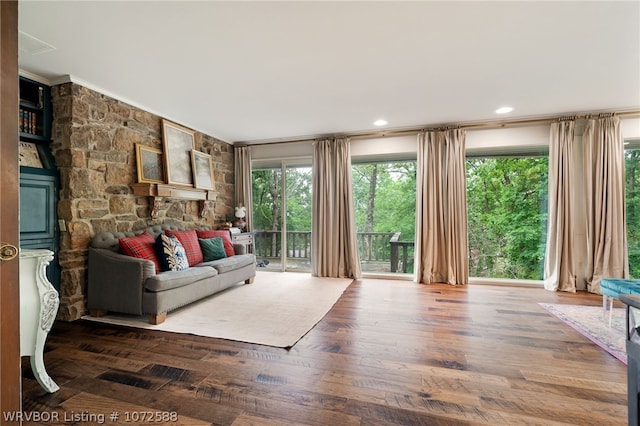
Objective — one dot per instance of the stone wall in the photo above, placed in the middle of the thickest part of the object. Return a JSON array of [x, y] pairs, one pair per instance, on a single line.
[[94, 138]]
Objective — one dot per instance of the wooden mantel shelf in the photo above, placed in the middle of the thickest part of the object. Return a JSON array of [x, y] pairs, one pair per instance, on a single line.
[[173, 191], [158, 191]]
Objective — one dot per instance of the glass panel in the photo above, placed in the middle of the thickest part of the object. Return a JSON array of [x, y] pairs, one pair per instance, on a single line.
[[298, 218], [632, 173], [272, 222], [385, 203], [507, 213], [267, 217]]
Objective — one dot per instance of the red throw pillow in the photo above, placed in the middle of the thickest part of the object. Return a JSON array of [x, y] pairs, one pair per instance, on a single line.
[[189, 240], [205, 234], [140, 246]]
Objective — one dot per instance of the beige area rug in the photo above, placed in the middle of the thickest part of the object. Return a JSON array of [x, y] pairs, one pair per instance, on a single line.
[[278, 309]]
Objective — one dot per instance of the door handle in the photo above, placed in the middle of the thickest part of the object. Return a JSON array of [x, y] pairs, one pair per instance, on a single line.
[[7, 252]]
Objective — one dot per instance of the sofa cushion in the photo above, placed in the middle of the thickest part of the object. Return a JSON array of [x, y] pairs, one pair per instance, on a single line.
[[173, 279], [140, 246], [225, 235], [189, 240], [212, 249], [111, 240], [231, 263], [171, 254]]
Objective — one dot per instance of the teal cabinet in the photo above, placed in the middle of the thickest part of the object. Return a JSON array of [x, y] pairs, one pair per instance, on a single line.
[[38, 220], [38, 175]]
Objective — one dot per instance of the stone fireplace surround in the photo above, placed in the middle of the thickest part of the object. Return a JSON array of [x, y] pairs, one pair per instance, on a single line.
[[93, 143]]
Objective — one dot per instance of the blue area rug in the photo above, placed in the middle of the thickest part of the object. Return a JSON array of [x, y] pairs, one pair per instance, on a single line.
[[591, 322]]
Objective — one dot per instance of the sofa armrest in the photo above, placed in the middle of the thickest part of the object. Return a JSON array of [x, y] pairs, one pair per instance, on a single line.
[[116, 281], [240, 248]]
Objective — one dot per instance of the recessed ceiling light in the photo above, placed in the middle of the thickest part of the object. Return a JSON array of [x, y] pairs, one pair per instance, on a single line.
[[380, 122], [504, 110]]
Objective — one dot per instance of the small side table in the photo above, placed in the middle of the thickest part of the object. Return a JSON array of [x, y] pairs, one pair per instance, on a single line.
[[246, 238], [38, 309]]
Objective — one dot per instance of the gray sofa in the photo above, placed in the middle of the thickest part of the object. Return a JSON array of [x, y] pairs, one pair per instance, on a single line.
[[125, 284]]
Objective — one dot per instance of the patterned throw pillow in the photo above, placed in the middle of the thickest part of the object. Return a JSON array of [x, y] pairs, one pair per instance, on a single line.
[[212, 249], [171, 253], [140, 246], [225, 235], [189, 240]]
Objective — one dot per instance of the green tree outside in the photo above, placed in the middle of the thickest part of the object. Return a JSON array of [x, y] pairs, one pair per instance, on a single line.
[[507, 213], [385, 197]]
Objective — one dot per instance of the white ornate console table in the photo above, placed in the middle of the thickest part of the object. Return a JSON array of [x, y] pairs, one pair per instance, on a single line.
[[38, 308]]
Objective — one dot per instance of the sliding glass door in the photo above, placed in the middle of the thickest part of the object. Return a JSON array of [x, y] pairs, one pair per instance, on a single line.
[[282, 216]]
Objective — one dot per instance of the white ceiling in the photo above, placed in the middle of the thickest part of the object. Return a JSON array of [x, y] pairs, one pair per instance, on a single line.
[[258, 71]]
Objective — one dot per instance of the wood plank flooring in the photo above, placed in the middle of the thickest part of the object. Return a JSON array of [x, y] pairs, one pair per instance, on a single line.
[[388, 353]]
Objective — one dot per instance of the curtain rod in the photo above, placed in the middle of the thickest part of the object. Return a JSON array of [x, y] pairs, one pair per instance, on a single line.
[[477, 125]]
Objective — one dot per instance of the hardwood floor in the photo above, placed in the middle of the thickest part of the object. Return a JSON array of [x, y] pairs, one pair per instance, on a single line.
[[388, 353]]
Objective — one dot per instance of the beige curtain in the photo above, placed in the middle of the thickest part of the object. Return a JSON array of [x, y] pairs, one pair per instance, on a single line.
[[605, 201], [334, 249], [442, 247], [242, 176], [559, 263]]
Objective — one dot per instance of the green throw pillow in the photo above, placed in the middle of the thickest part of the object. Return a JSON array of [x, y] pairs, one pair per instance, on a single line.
[[212, 249]]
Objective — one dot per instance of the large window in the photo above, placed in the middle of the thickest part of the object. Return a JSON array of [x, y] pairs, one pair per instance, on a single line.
[[507, 211], [385, 204], [632, 173]]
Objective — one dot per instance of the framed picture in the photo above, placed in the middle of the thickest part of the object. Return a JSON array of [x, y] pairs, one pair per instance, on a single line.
[[202, 171], [178, 142], [149, 162], [28, 155]]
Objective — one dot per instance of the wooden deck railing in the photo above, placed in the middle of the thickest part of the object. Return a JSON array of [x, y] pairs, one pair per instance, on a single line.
[[372, 247], [401, 254]]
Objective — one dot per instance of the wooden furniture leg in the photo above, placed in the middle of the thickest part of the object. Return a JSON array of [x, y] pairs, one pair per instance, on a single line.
[[156, 319]]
